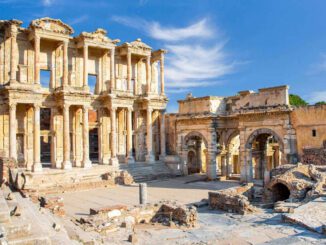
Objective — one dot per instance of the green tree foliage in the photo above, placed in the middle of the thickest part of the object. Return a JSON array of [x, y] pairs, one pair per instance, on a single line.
[[321, 103], [296, 100]]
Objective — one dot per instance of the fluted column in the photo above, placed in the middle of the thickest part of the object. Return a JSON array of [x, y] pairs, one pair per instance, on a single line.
[[66, 139], [12, 131], [149, 156], [162, 73], [14, 54], [114, 160], [85, 61], [86, 162], [37, 166], [162, 137], [37, 42], [148, 76], [129, 70], [130, 158], [112, 70], [65, 63]]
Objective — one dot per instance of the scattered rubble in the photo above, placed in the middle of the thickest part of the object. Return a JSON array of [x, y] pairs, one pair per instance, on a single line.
[[54, 204], [234, 199], [107, 219]]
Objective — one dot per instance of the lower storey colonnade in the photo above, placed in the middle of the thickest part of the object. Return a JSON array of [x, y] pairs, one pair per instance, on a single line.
[[78, 135]]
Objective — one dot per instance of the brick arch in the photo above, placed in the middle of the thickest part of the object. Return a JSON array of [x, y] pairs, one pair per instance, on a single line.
[[260, 131], [195, 134]]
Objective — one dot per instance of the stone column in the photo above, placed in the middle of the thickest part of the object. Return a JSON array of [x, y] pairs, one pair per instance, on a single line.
[[86, 162], [149, 157], [112, 70], [12, 132], [114, 160], [37, 166], [130, 158], [229, 164], [162, 137], [66, 138], [37, 41], [211, 165], [162, 73], [148, 76], [65, 63], [85, 59], [249, 166], [129, 70], [223, 165], [14, 54]]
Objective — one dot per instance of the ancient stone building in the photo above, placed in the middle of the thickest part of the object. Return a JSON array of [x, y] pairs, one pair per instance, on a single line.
[[68, 101], [247, 134]]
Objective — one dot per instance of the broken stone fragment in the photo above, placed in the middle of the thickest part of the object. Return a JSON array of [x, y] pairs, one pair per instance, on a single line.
[[16, 211], [56, 227], [132, 238], [9, 197], [114, 213]]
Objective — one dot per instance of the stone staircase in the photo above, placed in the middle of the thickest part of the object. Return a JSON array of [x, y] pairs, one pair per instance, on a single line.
[[28, 225], [144, 172]]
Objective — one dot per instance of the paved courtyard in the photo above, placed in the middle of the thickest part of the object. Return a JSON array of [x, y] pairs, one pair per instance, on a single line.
[[214, 227]]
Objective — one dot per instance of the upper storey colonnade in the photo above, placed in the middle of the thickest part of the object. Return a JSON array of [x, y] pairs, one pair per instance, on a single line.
[[47, 45]]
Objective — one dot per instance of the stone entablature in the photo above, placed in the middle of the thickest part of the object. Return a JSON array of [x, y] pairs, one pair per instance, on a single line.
[[126, 97]]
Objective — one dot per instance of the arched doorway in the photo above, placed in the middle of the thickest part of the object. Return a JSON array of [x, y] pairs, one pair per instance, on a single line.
[[280, 192], [264, 152], [196, 150], [233, 154]]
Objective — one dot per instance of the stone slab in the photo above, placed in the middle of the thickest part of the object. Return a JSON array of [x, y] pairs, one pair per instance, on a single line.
[[311, 215]]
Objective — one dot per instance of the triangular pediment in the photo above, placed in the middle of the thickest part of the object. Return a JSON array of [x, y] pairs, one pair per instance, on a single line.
[[51, 25]]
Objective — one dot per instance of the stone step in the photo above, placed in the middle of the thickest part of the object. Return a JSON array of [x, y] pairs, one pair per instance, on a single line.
[[44, 240], [4, 209], [17, 230]]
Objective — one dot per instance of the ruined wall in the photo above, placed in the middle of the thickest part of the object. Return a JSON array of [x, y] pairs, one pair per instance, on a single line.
[[209, 104], [265, 97], [310, 126]]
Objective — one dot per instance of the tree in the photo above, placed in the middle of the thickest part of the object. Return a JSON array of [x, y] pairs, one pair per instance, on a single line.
[[296, 100], [321, 103]]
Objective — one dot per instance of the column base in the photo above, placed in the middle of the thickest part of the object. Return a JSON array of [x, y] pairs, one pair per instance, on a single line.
[[37, 167], [105, 161], [114, 161], [130, 160], [66, 165], [150, 158], [87, 164], [162, 158]]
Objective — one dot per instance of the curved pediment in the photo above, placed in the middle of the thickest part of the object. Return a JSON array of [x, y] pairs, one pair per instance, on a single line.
[[52, 25]]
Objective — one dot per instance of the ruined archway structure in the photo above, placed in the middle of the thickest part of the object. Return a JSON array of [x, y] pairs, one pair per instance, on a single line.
[[245, 116]]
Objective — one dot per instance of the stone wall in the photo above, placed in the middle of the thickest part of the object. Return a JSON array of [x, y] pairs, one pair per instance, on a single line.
[[315, 156], [235, 200]]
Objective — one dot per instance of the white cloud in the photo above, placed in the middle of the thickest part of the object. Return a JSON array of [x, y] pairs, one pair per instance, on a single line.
[[78, 20], [317, 96], [47, 2], [196, 53]]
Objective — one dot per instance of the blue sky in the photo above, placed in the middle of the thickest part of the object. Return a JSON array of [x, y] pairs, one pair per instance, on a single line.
[[215, 47]]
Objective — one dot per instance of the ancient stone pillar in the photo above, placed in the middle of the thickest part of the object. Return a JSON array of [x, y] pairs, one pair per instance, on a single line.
[[86, 162], [229, 164], [112, 70], [130, 158], [37, 42], [37, 166], [211, 165], [114, 160], [65, 63], [148, 76], [66, 138], [223, 165], [162, 137], [85, 61], [162, 73], [149, 156], [12, 132], [129, 70], [14, 54], [142, 193]]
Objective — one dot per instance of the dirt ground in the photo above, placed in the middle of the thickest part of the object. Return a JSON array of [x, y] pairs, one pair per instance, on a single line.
[[214, 227]]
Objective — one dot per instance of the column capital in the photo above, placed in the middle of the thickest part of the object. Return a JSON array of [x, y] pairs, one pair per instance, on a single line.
[[113, 108], [12, 106], [37, 106], [85, 108], [65, 107], [150, 109], [130, 109]]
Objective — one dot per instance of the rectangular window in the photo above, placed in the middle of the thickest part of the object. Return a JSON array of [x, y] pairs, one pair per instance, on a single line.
[[45, 77], [92, 80], [314, 133]]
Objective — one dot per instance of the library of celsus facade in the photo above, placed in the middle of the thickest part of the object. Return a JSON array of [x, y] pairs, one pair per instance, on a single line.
[[68, 101]]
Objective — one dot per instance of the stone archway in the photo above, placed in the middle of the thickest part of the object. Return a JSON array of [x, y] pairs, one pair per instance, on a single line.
[[194, 149], [233, 153], [264, 149]]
